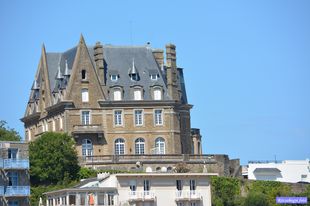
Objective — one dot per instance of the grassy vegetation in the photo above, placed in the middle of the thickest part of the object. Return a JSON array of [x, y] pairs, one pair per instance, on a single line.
[[236, 192]]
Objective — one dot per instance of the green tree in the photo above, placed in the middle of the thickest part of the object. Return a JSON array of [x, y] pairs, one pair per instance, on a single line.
[[8, 134], [224, 190], [53, 159]]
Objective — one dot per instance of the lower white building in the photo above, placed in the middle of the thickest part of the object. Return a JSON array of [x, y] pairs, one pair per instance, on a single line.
[[285, 171], [141, 189]]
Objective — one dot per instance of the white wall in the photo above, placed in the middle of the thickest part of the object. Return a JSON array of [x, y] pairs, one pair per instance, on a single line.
[[290, 171]]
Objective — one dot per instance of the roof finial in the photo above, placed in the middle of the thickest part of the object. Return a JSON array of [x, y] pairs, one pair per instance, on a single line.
[[133, 69], [59, 76], [67, 73], [35, 85]]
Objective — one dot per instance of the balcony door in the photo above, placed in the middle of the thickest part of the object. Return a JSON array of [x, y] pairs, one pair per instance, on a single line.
[[87, 148]]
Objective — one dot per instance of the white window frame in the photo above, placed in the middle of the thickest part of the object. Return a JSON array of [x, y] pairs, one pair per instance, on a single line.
[[138, 118], [119, 146], [84, 119], [87, 147], [118, 117], [137, 94], [160, 146], [114, 77], [154, 76], [157, 93], [158, 119], [116, 96], [140, 146], [85, 95]]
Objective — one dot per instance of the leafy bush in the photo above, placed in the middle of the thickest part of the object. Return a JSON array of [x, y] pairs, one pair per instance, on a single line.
[[256, 199]]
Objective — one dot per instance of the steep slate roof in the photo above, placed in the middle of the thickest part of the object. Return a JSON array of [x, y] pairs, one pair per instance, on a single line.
[[118, 60]]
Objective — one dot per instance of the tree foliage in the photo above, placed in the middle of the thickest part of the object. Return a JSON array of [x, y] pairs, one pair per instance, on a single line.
[[53, 159], [8, 134], [224, 190]]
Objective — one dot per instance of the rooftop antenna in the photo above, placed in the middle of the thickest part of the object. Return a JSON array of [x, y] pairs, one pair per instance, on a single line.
[[131, 35]]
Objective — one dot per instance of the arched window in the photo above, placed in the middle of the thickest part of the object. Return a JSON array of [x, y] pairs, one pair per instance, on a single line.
[[117, 95], [160, 145], [139, 146], [87, 147], [119, 146], [157, 94]]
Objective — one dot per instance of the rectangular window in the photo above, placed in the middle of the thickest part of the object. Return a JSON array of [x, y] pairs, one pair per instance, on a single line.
[[153, 76], [179, 184], [101, 199], [13, 203], [110, 199], [137, 95], [157, 94], [71, 199], [132, 185], [146, 185], [192, 185], [117, 95], [85, 95], [118, 117], [138, 117], [158, 117], [114, 77], [82, 198], [85, 117], [12, 153], [83, 74], [13, 178]]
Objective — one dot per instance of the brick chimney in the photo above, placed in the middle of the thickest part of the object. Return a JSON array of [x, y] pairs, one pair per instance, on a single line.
[[171, 72], [159, 57], [98, 54]]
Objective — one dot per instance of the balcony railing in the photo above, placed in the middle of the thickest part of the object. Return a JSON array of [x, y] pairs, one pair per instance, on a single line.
[[141, 196], [188, 195], [17, 191], [1, 190], [16, 164], [147, 158]]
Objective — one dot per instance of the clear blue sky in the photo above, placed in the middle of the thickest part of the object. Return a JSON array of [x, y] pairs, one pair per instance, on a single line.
[[247, 63]]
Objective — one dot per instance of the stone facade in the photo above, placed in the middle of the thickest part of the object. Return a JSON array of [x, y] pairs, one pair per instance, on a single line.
[[81, 82], [14, 174]]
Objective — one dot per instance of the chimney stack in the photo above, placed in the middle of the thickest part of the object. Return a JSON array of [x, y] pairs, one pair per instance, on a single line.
[[159, 57], [98, 54], [171, 72]]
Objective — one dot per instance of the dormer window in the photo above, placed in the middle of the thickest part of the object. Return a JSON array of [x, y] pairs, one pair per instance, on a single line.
[[117, 95], [114, 77], [84, 74], [154, 76], [157, 94], [133, 72], [137, 94], [134, 77]]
